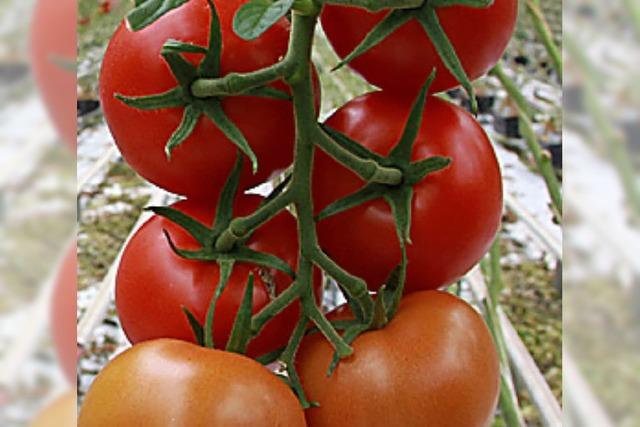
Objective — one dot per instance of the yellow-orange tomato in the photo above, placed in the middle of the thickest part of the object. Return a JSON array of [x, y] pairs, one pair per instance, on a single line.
[[433, 365], [171, 383], [61, 413]]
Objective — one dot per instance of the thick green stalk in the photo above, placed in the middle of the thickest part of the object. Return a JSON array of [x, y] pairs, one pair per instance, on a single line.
[[512, 89]]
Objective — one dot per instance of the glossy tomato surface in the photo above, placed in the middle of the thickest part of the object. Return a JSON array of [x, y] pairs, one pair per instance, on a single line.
[[62, 412], [403, 61], [199, 167], [433, 365], [455, 212], [63, 314], [169, 383], [153, 283], [53, 60]]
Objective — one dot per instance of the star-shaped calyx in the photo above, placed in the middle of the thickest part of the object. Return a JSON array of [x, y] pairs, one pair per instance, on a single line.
[[186, 74], [400, 196], [427, 17]]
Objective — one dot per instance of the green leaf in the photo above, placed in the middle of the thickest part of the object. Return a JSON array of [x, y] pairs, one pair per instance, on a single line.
[[419, 170], [191, 225], [394, 20], [245, 254], [189, 121], [224, 212], [257, 16], [402, 151], [177, 46], [196, 327], [173, 98], [210, 65], [226, 268], [431, 24], [213, 110], [365, 194], [268, 92], [400, 201], [351, 145], [241, 331], [146, 12]]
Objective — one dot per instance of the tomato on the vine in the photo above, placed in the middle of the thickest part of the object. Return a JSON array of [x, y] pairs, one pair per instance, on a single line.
[[403, 60], [455, 212], [434, 364], [172, 383], [53, 60], [133, 66], [153, 283], [63, 314]]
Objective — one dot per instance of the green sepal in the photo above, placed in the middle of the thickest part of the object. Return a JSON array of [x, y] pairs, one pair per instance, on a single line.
[[349, 336], [173, 98], [196, 327], [396, 284], [351, 145], [210, 65], [195, 228], [177, 46], [226, 268], [417, 171], [190, 118], [224, 211], [431, 24], [184, 71], [263, 259], [394, 20], [213, 110], [240, 333], [365, 194], [399, 199], [403, 149], [469, 3], [257, 16], [146, 12]]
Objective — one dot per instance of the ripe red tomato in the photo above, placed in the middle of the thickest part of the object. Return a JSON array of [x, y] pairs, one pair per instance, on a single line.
[[199, 167], [434, 364], [63, 314], [153, 283], [62, 412], [403, 61], [172, 383], [53, 60], [455, 212]]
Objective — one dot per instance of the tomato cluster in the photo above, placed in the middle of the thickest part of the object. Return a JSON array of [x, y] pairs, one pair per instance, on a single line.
[[432, 362]]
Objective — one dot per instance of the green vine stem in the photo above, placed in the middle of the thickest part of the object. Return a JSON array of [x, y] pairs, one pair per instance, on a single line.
[[508, 398], [377, 5], [541, 157], [545, 34]]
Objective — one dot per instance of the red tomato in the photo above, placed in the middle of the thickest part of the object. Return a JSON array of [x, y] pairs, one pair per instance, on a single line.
[[404, 60], [455, 212], [172, 383], [63, 314], [434, 364], [153, 283], [200, 165], [53, 60]]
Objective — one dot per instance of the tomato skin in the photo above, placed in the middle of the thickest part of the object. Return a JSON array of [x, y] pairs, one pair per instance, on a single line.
[[53, 39], [172, 383], [455, 212], [199, 167], [434, 364], [153, 283], [63, 314], [62, 412], [403, 61]]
